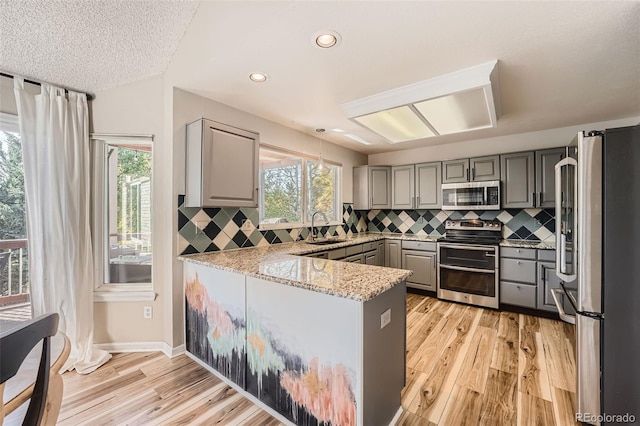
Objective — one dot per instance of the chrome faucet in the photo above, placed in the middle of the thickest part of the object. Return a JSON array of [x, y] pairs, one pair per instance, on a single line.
[[313, 235]]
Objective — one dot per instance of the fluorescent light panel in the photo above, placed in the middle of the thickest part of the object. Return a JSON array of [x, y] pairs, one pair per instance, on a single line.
[[465, 100]]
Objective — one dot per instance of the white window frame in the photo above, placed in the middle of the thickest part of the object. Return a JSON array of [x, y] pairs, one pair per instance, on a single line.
[[305, 190], [114, 292]]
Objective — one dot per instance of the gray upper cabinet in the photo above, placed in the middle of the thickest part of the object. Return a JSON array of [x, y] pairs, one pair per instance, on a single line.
[[428, 185], [221, 166], [546, 176], [471, 169], [371, 187], [485, 168], [455, 171], [403, 187], [518, 179], [417, 186]]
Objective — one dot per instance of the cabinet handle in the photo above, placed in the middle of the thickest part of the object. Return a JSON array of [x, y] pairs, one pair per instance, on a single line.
[[473, 173], [413, 202], [533, 199], [519, 263], [542, 273], [417, 202], [540, 199], [467, 174], [371, 203]]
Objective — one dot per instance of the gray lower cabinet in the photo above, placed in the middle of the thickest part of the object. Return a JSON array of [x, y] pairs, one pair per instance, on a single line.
[[420, 257], [527, 277], [518, 277], [380, 252], [371, 257], [517, 174], [393, 253], [423, 265]]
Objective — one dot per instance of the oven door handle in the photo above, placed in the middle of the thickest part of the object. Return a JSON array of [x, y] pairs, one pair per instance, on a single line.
[[462, 268], [467, 247]]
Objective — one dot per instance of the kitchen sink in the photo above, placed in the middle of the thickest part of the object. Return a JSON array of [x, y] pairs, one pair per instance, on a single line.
[[326, 242]]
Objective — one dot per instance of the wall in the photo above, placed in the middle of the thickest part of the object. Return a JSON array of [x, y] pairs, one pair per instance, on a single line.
[[498, 145], [182, 107], [137, 108]]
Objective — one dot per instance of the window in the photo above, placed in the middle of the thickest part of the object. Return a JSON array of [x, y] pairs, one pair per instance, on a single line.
[[293, 187], [14, 261], [122, 218]]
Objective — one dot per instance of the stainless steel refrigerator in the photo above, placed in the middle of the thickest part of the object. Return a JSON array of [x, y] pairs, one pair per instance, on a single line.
[[598, 242]]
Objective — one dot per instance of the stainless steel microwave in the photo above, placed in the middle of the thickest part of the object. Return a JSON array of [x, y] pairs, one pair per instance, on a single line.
[[471, 195]]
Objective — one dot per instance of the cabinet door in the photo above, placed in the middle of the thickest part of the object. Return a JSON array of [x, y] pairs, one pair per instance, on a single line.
[[455, 171], [423, 265], [393, 254], [371, 257], [380, 261], [229, 167], [485, 168], [518, 183], [402, 187], [429, 185], [380, 187], [546, 175], [361, 188], [547, 280]]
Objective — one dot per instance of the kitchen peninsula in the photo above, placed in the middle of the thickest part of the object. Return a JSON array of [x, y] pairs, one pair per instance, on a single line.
[[316, 340]]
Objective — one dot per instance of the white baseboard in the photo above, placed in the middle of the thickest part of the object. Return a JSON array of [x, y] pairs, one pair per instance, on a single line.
[[395, 418], [142, 347]]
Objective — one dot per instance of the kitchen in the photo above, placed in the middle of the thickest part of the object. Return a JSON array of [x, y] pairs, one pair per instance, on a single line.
[[163, 106]]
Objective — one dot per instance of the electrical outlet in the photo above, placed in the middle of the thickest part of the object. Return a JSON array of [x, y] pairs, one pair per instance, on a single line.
[[385, 318], [148, 312], [247, 225]]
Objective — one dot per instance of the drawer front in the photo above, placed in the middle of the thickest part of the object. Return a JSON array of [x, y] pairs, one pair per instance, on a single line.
[[547, 255], [354, 249], [518, 294], [338, 253], [520, 253], [419, 245], [369, 246], [523, 271]]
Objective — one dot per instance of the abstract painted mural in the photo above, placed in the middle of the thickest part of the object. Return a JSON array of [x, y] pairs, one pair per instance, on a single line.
[[215, 319], [303, 353]]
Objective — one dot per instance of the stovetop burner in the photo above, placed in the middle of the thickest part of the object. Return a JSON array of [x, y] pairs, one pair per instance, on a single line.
[[472, 231]]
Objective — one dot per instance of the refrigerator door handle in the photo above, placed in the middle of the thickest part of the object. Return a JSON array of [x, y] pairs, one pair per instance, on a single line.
[[561, 236], [557, 294]]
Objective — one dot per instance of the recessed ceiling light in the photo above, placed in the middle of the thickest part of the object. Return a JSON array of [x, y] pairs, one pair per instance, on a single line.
[[258, 77], [326, 39]]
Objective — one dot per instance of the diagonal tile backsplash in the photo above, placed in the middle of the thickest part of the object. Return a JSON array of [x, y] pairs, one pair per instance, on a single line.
[[518, 224], [213, 229]]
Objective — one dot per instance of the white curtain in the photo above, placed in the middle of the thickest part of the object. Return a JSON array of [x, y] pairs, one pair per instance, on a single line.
[[54, 130]]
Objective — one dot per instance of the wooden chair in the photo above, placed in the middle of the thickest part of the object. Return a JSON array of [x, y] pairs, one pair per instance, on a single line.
[[45, 394]]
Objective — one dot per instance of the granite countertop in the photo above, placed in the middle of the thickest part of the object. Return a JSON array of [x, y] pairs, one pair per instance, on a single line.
[[546, 245], [285, 263]]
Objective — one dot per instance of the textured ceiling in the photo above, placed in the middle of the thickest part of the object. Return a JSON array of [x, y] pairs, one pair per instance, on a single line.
[[561, 63], [91, 45]]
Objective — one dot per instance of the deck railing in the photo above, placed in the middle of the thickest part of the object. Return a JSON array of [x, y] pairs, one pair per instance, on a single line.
[[14, 272]]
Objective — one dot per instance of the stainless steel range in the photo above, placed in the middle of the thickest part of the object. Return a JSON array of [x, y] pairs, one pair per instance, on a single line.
[[468, 262]]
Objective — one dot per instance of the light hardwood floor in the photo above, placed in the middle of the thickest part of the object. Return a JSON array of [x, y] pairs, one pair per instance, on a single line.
[[465, 366]]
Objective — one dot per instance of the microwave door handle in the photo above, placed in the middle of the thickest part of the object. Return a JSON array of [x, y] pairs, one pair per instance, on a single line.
[[561, 237]]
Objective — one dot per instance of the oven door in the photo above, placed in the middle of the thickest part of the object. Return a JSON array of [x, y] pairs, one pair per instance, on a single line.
[[468, 274]]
